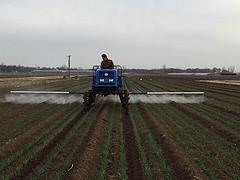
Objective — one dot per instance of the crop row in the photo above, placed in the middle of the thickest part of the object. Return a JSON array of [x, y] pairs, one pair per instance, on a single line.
[[150, 141], [191, 134]]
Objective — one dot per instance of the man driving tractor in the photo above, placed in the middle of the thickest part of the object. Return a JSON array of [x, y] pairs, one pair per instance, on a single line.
[[106, 63]]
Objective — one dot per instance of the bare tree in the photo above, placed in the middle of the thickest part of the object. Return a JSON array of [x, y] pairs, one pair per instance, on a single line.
[[164, 68], [224, 70], [231, 69], [124, 67]]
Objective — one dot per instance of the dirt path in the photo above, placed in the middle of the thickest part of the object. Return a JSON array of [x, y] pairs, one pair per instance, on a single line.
[[153, 160], [135, 170], [87, 163], [114, 153], [181, 164]]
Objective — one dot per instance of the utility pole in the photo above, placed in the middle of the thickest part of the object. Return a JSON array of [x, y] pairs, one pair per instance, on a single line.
[[69, 66]]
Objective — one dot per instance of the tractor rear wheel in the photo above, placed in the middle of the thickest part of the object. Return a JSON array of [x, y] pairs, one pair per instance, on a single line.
[[124, 97], [88, 98]]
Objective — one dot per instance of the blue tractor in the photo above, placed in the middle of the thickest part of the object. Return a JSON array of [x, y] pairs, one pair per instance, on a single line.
[[110, 82], [106, 82]]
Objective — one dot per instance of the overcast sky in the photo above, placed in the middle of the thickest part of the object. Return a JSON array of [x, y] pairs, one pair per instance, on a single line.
[[135, 33]]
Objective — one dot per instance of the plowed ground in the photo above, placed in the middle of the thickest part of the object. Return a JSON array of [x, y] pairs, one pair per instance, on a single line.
[[150, 141]]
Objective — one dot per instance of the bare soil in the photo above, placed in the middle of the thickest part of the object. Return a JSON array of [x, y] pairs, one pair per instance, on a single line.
[[135, 170], [24, 81], [114, 154], [87, 163], [153, 161]]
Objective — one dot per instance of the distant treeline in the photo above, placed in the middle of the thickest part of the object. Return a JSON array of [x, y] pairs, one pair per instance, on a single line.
[[14, 68], [25, 69], [177, 70]]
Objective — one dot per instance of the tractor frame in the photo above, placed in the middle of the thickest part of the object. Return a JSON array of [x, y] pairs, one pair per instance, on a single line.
[[105, 89]]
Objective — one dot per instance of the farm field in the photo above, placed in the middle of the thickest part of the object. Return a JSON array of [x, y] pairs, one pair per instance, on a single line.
[[150, 141]]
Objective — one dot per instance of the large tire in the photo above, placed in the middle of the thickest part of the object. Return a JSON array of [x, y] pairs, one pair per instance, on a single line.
[[88, 99], [124, 97]]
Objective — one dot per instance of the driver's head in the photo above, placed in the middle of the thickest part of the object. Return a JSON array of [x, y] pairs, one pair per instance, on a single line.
[[104, 57]]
